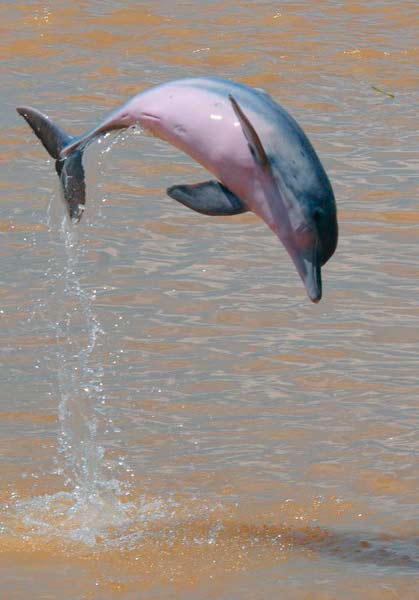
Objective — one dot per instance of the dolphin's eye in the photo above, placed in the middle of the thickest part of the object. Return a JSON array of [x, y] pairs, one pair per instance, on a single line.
[[317, 215]]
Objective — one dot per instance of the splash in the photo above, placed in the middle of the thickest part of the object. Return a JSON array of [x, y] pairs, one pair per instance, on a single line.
[[94, 486], [105, 521], [91, 494], [80, 384]]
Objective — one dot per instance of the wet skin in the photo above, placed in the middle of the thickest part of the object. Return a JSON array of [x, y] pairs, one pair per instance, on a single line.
[[261, 158]]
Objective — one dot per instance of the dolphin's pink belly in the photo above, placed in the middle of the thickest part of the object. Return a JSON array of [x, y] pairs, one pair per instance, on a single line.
[[204, 126]]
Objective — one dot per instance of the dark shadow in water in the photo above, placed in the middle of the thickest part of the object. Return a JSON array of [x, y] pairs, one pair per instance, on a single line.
[[380, 550], [155, 538], [364, 548]]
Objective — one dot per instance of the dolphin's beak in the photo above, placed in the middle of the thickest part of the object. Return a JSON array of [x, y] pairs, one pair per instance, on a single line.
[[306, 259], [308, 267], [288, 222], [282, 211]]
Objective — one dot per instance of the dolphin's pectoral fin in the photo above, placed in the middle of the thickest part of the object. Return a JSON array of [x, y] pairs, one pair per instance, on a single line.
[[208, 198]]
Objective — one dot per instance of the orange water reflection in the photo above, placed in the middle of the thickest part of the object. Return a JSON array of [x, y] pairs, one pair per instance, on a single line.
[[273, 445]]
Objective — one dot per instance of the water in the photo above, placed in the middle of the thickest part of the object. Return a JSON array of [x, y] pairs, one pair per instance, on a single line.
[[176, 419]]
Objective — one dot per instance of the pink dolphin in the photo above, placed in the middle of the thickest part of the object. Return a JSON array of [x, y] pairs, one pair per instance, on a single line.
[[260, 156]]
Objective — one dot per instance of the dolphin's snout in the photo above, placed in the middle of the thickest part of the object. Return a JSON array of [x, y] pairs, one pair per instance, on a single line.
[[314, 290], [309, 269], [313, 282]]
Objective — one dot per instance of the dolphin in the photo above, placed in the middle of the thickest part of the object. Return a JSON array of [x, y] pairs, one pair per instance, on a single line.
[[262, 160]]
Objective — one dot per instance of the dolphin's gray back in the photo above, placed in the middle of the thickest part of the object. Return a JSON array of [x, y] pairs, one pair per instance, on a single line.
[[288, 148]]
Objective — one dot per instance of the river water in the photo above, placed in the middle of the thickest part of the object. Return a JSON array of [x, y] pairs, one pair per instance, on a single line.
[[177, 420]]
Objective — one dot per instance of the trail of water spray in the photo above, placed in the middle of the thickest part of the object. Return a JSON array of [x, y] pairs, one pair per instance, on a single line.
[[79, 375], [94, 504], [93, 497]]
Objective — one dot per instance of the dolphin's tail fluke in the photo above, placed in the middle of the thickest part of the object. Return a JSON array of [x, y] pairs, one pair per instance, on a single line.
[[69, 168]]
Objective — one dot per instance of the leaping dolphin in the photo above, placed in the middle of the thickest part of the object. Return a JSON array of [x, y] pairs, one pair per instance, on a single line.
[[262, 160]]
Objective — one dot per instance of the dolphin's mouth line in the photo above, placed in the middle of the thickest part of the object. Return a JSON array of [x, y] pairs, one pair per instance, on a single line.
[[308, 268], [314, 277], [150, 117]]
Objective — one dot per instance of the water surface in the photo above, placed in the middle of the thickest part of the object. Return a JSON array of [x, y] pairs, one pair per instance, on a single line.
[[177, 420]]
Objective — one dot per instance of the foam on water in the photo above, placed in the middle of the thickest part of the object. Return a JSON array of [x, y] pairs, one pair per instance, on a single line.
[[102, 522], [94, 506], [97, 513], [92, 491]]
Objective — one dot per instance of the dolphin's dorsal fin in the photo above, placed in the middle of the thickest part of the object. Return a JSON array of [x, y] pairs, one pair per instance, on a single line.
[[208, 198], [255, 145]]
